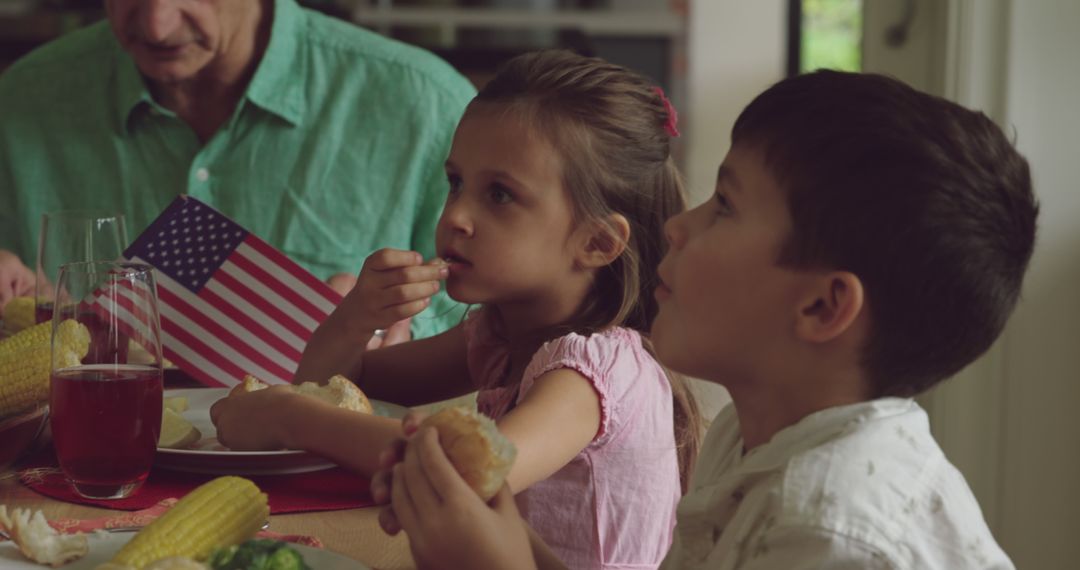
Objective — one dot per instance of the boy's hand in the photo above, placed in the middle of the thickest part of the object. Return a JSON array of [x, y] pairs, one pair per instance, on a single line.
[[449, 526], [257, 421], [392, 286]]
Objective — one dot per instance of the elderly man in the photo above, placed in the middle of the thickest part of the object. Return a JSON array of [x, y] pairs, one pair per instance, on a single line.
[[322, 138]]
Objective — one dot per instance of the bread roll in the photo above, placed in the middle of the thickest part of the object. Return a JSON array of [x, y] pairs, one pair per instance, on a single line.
[[339, 391], [479, 451]]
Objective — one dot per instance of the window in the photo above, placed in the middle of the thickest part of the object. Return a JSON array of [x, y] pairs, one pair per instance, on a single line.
[[825, 34]]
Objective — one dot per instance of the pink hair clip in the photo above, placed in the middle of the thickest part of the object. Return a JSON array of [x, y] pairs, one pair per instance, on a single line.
[[672, 123]]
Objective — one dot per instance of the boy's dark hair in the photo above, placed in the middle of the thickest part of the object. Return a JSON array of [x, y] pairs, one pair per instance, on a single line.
[[927, 202]]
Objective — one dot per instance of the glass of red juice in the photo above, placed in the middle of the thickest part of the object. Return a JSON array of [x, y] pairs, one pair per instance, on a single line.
[[105, 411]]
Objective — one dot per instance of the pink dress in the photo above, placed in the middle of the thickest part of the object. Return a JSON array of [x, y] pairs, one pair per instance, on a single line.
[[613, 506]]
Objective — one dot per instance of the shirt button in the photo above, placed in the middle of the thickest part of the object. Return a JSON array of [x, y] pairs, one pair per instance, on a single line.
[[202, 175]]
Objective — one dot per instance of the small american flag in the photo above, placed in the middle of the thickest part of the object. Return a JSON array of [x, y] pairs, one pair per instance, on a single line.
[[230, 304]]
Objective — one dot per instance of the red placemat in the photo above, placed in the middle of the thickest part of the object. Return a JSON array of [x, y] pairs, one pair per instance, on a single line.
[[326, 490], [146, 516]]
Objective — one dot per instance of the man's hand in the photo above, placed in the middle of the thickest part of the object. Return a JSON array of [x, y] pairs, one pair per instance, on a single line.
[[449, 526], [16, 279]]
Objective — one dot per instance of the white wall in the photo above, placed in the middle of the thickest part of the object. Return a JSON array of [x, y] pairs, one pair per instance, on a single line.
[[1040, 496], [736, 49]]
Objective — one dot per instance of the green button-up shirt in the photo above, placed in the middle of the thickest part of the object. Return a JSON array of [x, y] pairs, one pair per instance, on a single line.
[[335, 150]]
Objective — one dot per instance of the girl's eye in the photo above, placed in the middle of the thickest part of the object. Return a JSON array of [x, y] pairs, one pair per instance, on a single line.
[[455, 183], [500, 194]]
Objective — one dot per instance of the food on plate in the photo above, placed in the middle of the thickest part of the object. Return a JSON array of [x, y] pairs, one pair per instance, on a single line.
[[24, 363], [473, 443], [178, 404], [176, 431], [40, 542], [173, 563], [220, 513], [338, 391], [258, 554], [19, 314]]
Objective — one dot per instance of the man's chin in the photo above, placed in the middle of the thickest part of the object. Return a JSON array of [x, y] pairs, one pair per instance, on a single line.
[[173, 71]]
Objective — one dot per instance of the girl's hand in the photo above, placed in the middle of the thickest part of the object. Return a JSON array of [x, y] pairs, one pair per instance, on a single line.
[[257, 421], [393, 285], [449, 526], [383, 478]]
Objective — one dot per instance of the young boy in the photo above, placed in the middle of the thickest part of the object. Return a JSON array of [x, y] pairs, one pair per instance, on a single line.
[[865, 242]]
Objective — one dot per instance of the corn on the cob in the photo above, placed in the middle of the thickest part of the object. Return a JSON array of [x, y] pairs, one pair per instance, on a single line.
[[222, 512], [24, 363], [35, 334], [19, 314]]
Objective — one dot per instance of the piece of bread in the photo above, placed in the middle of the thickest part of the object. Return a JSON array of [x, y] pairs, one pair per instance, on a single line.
[[338, 391], [473, 443], [248, 384], [39, 541]]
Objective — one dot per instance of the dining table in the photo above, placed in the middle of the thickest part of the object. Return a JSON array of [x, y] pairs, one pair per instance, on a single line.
[[351, 532]]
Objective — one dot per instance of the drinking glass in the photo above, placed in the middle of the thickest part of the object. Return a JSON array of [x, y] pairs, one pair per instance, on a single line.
[[105, 412], [69, 236]]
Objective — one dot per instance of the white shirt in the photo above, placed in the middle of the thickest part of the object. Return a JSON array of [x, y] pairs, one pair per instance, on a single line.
[[859, 486]]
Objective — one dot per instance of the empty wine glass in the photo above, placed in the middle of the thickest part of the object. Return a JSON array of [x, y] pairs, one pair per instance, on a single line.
[[69, 236]]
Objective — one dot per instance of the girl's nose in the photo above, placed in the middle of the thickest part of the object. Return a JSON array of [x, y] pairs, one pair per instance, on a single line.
[[159, 19], [455, 218], [675, 231]]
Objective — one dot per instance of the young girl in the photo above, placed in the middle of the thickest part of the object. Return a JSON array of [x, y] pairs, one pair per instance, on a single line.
[[560, 179]]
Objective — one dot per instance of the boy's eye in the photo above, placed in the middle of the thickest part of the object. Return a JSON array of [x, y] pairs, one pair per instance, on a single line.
[[723, 206], [454, 181], [500, 194]]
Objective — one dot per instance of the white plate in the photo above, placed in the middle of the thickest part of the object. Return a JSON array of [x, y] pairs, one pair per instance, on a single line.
[[104, 546], [209, 456]]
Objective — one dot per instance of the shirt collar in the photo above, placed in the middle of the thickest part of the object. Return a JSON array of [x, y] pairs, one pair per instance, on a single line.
[[818, 428], [275, 87], [272, 88], [131, 92]]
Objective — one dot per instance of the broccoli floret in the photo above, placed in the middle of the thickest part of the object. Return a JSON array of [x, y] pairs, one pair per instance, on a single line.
[[258, 554], [286, 558]]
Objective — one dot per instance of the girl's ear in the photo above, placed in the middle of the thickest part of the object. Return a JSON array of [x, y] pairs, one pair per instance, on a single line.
[[604, 242], [830, 308]]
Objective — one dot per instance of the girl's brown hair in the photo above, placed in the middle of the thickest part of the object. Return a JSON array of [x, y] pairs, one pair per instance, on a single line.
[[609, 126]]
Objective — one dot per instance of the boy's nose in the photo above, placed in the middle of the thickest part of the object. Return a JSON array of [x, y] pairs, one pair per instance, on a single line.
[[674, 231], [158, 20]]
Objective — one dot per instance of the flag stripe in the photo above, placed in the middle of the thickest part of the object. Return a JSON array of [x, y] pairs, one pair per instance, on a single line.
[[288, 294], [256, 361], [277, 267], [310, 281], [186, 359], [212, 311], [212, 307], [228, 369], [260, 289], [262, 305], [129, 313], [235, 309]]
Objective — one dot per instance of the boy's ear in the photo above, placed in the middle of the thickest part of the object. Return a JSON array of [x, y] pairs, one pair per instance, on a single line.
[[830, 308], [603, 242]]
